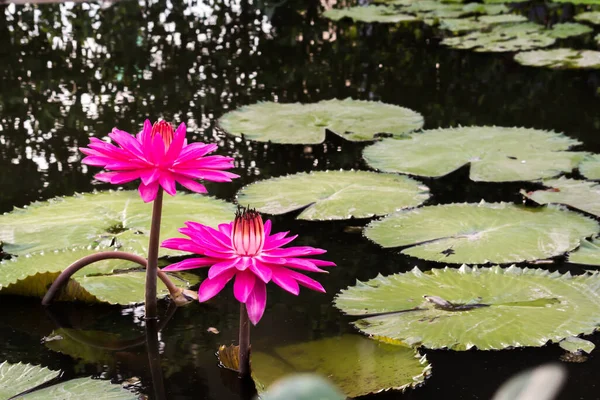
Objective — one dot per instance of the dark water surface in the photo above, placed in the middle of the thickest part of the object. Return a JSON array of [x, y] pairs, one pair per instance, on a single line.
[[72, 71]]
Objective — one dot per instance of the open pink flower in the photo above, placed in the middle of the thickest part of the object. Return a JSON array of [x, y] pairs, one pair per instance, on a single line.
[[158, 156], [245, 249]]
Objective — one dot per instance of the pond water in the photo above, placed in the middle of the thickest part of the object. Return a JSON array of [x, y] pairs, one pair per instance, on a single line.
[[115, 64]]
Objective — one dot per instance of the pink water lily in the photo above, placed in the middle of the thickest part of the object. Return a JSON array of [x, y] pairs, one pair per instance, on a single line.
[[246, 250], [158, 156]]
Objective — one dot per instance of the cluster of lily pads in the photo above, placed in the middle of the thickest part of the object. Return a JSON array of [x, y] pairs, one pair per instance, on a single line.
[[492, 26], [487, 307]]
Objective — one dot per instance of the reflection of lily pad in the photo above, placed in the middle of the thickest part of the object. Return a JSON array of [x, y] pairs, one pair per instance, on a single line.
[[560, 59], [583, 195], [592, 17], [590, 167], [75, 344], [488, 308], [90, 219], [357, 365], [496, 154], [17, 378], [296, 123], [111, 281], [335, 194], [588, 253], [481, 233], [502, 38], [369, 13]]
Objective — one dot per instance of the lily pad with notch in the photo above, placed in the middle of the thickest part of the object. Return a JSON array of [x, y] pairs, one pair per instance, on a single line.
[[588, 253], [582, 195]]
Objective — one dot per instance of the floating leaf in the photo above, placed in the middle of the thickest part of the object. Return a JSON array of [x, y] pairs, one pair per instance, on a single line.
[[503, 38], [370, 13], [99, 218], [335, 194], [489, 9], [588, 253], [462, 24], [496, 154], [560, 59], [296, 123], [505, 1], [17, 378], [590, 167], [110, 281], [583, 195], [492, 308], [357, 365], [593, 2], [302, 387], [481, 233], [592, 17], [575, 344], [545, 381], [568, 29], [502, 19]]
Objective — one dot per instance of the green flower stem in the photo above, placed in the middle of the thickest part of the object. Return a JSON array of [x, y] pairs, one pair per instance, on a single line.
[[152, 268], [244, 341]]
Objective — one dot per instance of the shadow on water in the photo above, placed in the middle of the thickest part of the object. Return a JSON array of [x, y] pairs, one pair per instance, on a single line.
[[74, 70]]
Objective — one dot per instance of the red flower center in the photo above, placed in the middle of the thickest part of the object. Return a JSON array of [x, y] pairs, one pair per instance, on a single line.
[[165, 130], [248, 234]]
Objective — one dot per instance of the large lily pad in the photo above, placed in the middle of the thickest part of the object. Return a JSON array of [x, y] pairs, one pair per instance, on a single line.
[[488, 308], [355, 364], [496, 154], [560, 59], [569, 29], [102, 218], [297, 123], [590, 167], [370, 13], [583, 195], [588, 253], [503, 38], [592, 17], [481, 233], [17, 378], [335, 194], [110, 281]]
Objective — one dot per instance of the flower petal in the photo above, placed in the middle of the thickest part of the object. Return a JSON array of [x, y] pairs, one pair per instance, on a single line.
[[285, 281], [177, 144], [306, 281], [211, 287], [190, 263], [243, 285], [261, 270], [221, 267], [148, 192], [256, 302], [168, 183], [190, 184]]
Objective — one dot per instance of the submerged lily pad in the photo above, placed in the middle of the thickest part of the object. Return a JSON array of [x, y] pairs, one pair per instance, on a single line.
[[495, 154], [103, 218], [590, 167], [592, 17], [335, 194], [370, 13], [560, 59], [17, 378], [296, 123], [356, 365], [502, 38], [110, 281], [488, 308], [482, 233], [588, 253], [583, 195]]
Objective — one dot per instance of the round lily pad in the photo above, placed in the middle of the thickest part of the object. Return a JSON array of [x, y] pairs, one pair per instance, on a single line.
[[588, 253], [482, 233], [502, 38], [583, 195], [569, 29], [103, 218], [592, 17], [462, 24], [329, 195], [560, 59], [590, 167], [488, 308], [356, 365], [495, 154], [370, 13], [296, 123]]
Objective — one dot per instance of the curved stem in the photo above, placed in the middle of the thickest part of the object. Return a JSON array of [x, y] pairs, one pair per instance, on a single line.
[[103, 255], [152, 268], [244, 342]]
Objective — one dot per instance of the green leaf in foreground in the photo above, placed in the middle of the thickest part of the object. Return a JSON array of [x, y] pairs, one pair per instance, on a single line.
[[560, 59], [495, 154], [590, 167], [583, 195], [488, 308], [355, 364], [335, 194], [102, 218], [588, 253], [482, 233], [17, 378], [296, 123], [370, 13]]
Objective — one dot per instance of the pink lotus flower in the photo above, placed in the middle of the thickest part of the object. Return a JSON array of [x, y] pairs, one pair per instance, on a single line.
[[160, 157], [245, 249]]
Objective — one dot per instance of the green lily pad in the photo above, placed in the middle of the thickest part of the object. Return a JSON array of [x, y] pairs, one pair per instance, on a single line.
[[462, 24], [302, 387], [296, 123], [591, 2], [560, 59], [583, 195], [100, 218], [431, 9], [575, 344], [110, 281], [505, 1], [590, 167], [356, 365], [592, 17], [17, 378], [568, 29], [588, 253], [370, 13], [502, 38], [335, 194], [488, 308], [482, 233], [495, 154], [489, 9]]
